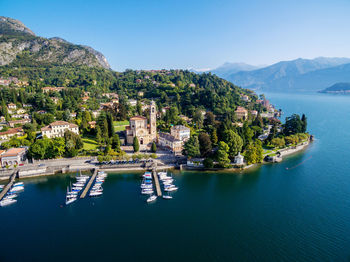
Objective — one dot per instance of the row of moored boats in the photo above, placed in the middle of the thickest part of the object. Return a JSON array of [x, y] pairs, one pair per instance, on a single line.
[[97, 189], [74, 190], [80, 183], [11, 195], [147, 187], [168, 184]]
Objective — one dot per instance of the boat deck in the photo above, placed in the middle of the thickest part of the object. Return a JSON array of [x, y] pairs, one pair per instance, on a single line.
[[92, 179]]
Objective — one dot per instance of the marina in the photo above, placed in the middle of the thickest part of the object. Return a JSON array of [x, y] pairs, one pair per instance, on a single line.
[[85, 191]]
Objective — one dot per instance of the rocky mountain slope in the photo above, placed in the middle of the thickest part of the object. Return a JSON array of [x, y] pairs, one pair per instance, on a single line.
[[19, 45]]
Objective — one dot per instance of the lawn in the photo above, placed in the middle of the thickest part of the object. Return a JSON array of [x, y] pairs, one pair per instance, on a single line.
[[120, 125], [89, 144]]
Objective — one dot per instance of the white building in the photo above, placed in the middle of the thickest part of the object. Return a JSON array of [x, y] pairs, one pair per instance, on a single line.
[[132, 102], [181, 133], [57, 129], [239, 159]]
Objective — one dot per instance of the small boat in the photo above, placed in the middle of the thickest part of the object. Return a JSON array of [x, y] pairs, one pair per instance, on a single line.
[[167, 197], [146, 185], [7, 201], [147, 192], [2, 186], [81, 181], [169, 186], [170, 189], [79, 184], [95, 193], [18, 184], [70, 200], [17, 189], [77, 188], [10, 196], [151, 199], [147, 175]]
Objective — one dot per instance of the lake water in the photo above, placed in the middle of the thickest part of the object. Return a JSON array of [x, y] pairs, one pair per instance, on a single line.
[[269, 214]]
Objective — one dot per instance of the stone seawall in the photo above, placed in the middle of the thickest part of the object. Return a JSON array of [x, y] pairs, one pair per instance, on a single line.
[[292, 150]]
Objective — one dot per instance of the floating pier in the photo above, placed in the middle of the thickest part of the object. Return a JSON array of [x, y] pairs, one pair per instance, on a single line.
[[92, 179], [9, 185], [156, 182]]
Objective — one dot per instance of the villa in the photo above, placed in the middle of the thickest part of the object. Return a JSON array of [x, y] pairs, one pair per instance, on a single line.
[[10, 133], [58, 128]]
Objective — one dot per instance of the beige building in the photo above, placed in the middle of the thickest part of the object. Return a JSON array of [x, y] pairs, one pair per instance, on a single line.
[[170, 142], [13, 157], [57, 129], [10, 133], [181, 133], [146, 133], [241, 113]]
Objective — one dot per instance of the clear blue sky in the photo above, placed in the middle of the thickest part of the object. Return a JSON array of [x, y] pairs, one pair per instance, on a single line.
[[192, 34]]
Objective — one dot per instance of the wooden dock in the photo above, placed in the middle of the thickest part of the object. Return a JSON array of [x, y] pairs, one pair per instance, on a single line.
[[92, 179], [156, 182], [9, 185]]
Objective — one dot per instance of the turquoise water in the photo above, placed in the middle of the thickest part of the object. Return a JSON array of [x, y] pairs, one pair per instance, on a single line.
[[270, 214]]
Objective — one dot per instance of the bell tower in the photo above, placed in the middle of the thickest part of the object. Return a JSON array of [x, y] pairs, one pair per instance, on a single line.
[[152, 119]]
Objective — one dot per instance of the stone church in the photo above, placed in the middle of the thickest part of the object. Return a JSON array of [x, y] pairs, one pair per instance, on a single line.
[[146, 133]]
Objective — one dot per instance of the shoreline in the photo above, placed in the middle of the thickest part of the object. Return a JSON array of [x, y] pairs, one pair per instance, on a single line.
[[62, 169]]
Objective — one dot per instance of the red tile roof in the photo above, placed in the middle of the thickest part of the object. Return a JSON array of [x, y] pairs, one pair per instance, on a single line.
[[13, 152]]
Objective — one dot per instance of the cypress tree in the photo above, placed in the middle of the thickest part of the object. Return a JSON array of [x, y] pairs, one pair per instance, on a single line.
[[136, 144]]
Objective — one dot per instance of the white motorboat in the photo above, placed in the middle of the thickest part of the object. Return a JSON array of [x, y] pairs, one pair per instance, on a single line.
[[7, 201], [170, 189], [75, 189], [151, 199], [73, 193], [82, 180], [11, 196], [17, 189], [146, 186], [169, 186], [95, 193], [167, 197], [2, 186], [167, 179], [79, 184], [18, 184], [147, 192]]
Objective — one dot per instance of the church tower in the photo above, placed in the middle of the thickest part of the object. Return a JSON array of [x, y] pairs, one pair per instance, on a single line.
[[152, 119]]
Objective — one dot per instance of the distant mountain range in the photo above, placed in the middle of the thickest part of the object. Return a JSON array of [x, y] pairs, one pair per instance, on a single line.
[[289, 76], [19, 44], [338, 88]]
